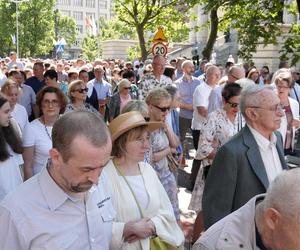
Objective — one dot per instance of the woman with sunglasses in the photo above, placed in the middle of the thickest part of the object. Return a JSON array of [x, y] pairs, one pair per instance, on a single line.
[[221, 125], [120, 99], [37, 140], [163, 143], [77, 93]]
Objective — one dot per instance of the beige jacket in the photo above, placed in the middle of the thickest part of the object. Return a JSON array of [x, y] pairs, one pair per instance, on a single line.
[[234, 232], [159, 209]]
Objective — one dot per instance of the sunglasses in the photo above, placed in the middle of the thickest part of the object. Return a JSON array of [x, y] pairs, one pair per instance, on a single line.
[[162, 109], [81, 90], [147, 119], [233, 104], [127, 88]]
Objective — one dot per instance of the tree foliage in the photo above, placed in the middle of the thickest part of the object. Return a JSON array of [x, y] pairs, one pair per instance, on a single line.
[[66, 28], [89, 48], [147, 15], [256, 21], [36, 26]]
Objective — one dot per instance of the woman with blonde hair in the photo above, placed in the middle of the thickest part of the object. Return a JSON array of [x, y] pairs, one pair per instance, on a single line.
[[143, 209], [77, 94], [12, 92], [120, 99], [163, 143]]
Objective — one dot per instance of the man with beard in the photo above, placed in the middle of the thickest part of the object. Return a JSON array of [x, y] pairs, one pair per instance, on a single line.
[[67, 205]]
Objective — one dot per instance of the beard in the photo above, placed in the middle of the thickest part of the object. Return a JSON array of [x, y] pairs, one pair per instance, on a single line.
[[81, 187]]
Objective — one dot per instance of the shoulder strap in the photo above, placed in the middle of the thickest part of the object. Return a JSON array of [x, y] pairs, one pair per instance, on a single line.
[[121, 173]]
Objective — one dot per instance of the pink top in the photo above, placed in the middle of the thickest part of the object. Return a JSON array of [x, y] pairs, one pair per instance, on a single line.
[[124, 101]]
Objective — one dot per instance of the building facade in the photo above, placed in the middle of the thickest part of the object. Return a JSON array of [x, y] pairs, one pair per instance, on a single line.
[[85, 13]]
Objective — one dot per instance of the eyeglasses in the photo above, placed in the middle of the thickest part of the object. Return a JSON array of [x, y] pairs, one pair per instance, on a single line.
[[81, 90], [233, 104], [127, 88], [162, 109], [237, 78], [53, 103], [277, 108]]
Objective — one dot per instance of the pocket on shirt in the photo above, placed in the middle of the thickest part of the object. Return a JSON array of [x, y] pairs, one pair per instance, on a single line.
[[108, 215], [63, 242]]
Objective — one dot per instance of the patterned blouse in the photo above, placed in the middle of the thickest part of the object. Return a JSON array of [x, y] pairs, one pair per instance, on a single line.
[[87, 107], [216, 131]]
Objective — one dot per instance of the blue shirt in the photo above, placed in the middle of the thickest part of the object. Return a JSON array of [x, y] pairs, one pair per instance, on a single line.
[[103, 89], [186, 90], [35, 83]]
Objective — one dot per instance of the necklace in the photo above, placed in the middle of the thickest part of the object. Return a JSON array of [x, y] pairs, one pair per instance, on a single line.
[[48, 134]]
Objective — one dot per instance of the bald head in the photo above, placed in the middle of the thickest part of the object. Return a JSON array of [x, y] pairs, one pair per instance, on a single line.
[[188, 67], [213, 75], [158, 64]]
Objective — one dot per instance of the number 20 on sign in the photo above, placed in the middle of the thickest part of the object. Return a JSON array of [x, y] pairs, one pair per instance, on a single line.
[[159, 49]]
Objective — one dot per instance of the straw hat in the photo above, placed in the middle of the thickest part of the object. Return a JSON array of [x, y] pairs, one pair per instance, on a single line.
[[129, 120]]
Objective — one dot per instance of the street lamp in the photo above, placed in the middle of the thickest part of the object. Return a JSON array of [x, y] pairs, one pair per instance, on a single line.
[[17, 2]]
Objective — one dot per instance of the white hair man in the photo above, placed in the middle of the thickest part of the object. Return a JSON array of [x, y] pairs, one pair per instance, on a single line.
[[267, 221], [245, 165]]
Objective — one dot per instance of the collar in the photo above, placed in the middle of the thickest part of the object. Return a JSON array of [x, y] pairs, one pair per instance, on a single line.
[[53, 194], [263, 142], [189, 81]]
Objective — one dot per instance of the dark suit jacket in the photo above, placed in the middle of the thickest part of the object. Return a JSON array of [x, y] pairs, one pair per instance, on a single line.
[[236, 175]]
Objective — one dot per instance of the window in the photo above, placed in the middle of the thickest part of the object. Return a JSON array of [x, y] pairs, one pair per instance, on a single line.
[[78, 15], [78, 2], [63, 2], [103, 4], [65, 12], [103, 15], [79, 29], [90, 3]]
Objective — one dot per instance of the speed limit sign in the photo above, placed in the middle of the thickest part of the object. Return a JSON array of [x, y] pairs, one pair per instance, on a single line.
[[159, 49]]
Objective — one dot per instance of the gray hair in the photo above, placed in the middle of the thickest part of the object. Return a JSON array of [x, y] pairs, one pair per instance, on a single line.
[[282, 193], [78, 123], [249, 97], [136, 105]]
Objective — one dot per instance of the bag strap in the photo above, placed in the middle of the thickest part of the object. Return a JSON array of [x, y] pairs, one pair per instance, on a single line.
[[131, 190]]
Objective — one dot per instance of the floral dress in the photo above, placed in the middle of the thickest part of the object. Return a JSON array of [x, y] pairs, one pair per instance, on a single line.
[[159, 141], [216, 131]]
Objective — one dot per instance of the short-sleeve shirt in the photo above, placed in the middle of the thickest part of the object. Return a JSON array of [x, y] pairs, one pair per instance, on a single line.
[[103, 88], [200, 99], [35, 134], [20, 115], [27, 98], [40, 215], [186, 90]]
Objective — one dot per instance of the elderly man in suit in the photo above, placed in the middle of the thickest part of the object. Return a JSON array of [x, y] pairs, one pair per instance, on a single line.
[[268, 221], [245, 165]]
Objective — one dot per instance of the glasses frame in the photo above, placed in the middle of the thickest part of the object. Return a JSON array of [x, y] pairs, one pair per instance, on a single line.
[[233, 104], [162, 109], [81, 90], [279, 108]]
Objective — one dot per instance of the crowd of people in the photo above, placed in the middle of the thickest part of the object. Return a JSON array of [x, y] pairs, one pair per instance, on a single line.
[[90, 153]]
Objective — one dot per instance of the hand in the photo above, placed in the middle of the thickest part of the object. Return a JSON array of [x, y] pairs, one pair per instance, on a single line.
[[296, 123], [141, 229]]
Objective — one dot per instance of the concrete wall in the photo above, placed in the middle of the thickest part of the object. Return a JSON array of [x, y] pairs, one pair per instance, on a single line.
[[116, 49]]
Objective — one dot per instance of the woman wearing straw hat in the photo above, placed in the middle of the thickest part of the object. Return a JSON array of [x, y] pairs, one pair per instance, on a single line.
[[142, 205]]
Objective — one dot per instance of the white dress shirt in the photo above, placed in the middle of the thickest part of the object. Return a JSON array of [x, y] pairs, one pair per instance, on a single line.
[[40, 215], [269, 154]]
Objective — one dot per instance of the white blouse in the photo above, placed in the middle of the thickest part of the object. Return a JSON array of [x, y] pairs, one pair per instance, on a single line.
[[216, 131]]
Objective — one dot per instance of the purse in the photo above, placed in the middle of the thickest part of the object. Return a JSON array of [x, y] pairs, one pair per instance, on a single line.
[[173, 164], [156, 243]]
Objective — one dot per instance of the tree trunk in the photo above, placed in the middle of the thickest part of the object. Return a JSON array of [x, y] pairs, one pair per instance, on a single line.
[[214, 23], [142, 44]]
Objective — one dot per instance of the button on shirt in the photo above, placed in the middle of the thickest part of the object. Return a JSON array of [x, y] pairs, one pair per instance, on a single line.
[[200, 99], [269, 154], [40, 215], [102, 88], [186, 90]]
